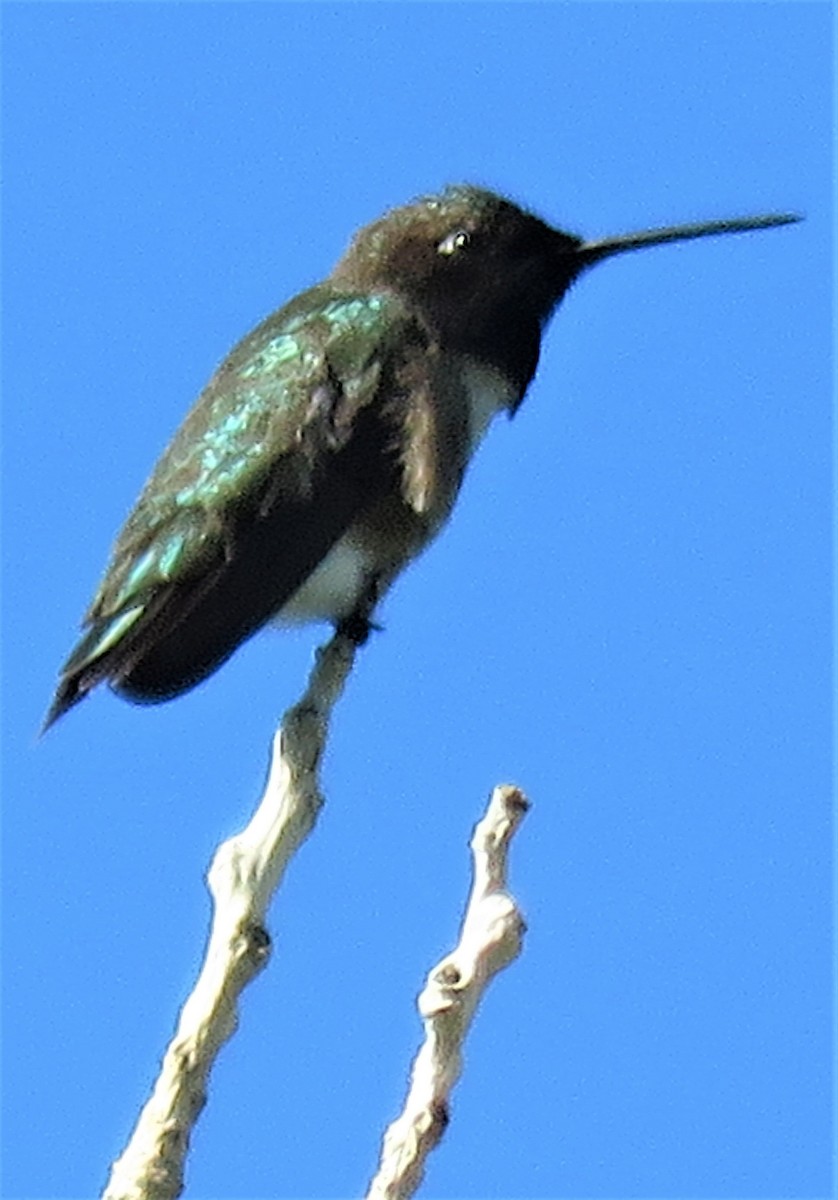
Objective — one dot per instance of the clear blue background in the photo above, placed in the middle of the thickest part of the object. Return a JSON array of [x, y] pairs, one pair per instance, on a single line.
[[628, 615]]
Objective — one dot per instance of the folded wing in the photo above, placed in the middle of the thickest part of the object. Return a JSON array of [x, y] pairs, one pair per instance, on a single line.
[[296, 434]]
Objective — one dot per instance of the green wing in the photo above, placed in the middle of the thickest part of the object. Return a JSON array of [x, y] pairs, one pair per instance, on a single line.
[[290, 440]]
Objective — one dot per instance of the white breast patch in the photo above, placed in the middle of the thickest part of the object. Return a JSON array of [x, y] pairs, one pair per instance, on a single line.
[[488, 393], [333, 589]]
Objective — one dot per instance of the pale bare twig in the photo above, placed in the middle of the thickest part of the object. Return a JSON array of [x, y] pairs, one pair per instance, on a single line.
[[242, 879], [490, 938]]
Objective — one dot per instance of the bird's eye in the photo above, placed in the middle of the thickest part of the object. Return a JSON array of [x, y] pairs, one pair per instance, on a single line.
[[453, 242]]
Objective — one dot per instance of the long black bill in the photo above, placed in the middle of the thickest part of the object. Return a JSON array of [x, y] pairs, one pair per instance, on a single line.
[[595, 251]]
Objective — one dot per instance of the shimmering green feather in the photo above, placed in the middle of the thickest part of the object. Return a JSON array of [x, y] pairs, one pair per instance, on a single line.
[[248, 426]]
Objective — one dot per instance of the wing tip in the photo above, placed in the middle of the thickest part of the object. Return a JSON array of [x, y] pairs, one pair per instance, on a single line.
[[95, 658], [71, 691]]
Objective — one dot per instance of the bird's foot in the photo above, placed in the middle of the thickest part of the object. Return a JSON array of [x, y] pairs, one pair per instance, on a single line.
[[359, 624], [357, 627]]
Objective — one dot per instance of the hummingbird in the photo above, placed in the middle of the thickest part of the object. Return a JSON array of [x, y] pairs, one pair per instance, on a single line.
[[329, 447]]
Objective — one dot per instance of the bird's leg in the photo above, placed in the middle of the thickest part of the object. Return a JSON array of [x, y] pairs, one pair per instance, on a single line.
[[358, 625]]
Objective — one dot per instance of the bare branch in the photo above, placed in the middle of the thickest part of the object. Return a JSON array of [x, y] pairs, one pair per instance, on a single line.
[[243, 876], [490, 938]]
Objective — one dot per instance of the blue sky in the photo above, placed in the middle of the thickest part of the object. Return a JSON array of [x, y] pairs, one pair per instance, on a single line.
[[628, 615]]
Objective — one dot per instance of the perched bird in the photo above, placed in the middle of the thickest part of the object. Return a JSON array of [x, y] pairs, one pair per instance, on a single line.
[[329, 447]]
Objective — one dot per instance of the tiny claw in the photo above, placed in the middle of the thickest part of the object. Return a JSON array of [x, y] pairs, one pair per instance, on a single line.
[[357, 627]]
